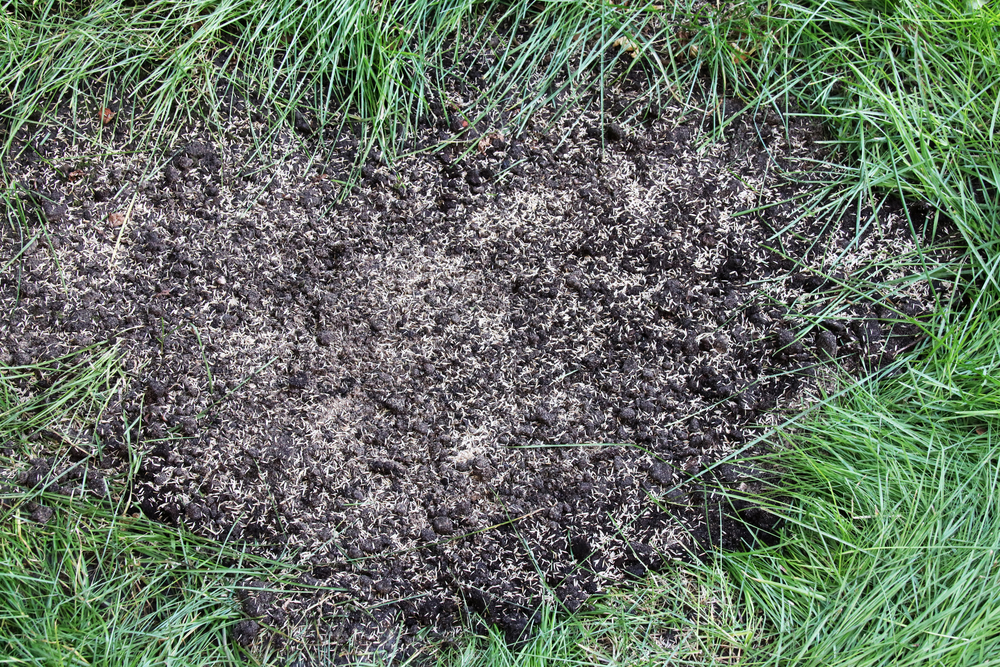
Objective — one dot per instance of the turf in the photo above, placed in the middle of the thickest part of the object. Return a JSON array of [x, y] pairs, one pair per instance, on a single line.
[[87, 583], [893, 530], [380, 66], [94, 588], [889, 551]]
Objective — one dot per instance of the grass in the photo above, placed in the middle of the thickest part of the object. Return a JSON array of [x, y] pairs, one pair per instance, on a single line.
[[890, 498], [91, 587], [90, 583], [686, 617], [379, 66], [890, 549], [910, 95], [893, 551]]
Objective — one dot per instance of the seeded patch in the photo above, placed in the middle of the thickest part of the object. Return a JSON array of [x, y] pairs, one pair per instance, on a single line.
[[503, 370]]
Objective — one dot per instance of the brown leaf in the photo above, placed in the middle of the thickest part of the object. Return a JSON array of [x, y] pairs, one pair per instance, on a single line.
[[488, 139], [740, 55], [107, 115]]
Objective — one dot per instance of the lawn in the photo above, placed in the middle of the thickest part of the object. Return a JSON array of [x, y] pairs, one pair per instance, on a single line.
[[885, 486]]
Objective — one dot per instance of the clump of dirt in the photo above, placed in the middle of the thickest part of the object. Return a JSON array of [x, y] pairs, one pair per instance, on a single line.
[[492, 371]]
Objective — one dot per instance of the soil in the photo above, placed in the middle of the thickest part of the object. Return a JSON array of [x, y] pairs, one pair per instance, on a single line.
[[498, 371]]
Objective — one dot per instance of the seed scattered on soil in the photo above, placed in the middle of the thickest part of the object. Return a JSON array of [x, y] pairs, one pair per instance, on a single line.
[[467, 383]]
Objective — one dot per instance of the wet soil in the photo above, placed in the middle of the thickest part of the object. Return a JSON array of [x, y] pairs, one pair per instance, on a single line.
[[493, 372]]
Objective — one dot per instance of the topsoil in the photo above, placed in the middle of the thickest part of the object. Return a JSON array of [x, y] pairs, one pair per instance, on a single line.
[[497, 371]]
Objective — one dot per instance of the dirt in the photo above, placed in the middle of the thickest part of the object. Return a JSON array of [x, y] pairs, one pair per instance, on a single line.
[[479, 380]]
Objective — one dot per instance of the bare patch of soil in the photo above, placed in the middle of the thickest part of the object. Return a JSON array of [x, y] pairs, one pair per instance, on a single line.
[[413, 392]]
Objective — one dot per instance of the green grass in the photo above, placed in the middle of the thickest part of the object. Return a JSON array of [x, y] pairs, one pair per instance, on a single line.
[[892, 553], [910, 94], [890, 492], [379, 66], [94, 588], [88, 582], [685, 617]]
